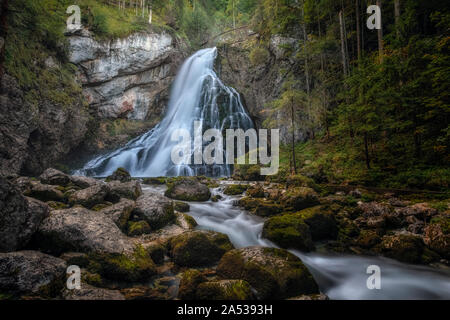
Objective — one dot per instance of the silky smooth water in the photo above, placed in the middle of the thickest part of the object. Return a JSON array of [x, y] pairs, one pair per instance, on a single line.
[[197, 95], [338, 276]]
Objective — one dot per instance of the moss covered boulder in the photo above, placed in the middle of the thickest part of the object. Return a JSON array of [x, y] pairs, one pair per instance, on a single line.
[[198, 248], [44, 192], [367, 239], [321, 222], [437, 235], [138, 228], [134, 266], [181, 206], [157, 210], [402, 247], [235, 189], [288, 231], [120, 174], [187, 189], [189, 282], [224, 290], [247, 172], [273, 273], [299, 180], [299, 198]]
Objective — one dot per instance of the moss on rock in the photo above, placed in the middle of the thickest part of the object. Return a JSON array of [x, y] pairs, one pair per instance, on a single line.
[[402, 247], [189, 282], [198, 248], [181, 206], [299, 198], [288, 231], [138, 228], [235, 189], [224, 290], [273, 273]]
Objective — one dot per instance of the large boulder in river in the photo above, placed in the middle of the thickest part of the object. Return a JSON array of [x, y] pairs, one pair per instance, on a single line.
[[20, 217], [31, 273], [89, 197], [198, 248], [288, 231], [188, 189], [54, 177], [130, 190], [156, 209], [81, 230], [403, 247], [273, 273]]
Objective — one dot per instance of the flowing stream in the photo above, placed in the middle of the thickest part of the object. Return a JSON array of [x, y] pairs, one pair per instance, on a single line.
[[197, 95], [341, 277]]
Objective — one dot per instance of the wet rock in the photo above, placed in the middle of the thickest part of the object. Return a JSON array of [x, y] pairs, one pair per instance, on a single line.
[[120, 174], [45, 192], [198, 248], [157, 210], [89, 197], [310, 297], [288, 231], [273, 273], [181, 206], [321, 222], [120, 212], [78, 229], [117, 190], [373, 209], [88, 292], [31, 273], [20, 217], [266, 208], [156, 252], [367, 239], [224, 290], [188, 189], [256, 191], [54, 177]]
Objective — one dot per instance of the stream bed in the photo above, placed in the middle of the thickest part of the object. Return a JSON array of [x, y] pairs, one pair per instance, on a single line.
[[341, 277]]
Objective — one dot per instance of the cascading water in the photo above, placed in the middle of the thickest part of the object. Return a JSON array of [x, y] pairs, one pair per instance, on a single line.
[[197, 95]]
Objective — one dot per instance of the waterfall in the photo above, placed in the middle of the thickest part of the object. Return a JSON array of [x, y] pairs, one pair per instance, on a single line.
[[197, 95]]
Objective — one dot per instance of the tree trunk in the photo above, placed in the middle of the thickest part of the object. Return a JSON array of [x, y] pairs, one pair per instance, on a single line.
[[380, 35], [358, 29], [397, 17], [343, 50]]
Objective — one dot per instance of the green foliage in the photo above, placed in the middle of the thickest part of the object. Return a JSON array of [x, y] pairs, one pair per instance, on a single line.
[[258, 56]]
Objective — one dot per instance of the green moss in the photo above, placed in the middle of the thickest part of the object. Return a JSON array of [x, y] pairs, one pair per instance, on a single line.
[[120, 175], [138, 228], [94, 279], [190, 220], [443, 221], [321, 222], [268, 208], [256, 191], [247, 172], [189, 282], [235, 189], [134, 267], [368, 239], [100, 206], [157, 181], [57, 205], [289, 232], [224, 290], [299, 198], [405, 248], [299, 180]]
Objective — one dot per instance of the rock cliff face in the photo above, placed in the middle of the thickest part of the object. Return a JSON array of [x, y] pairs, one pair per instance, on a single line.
[[262, 83], [126, 78]]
